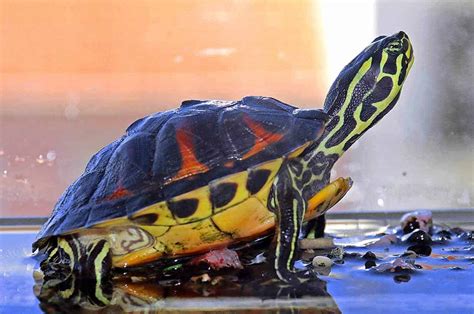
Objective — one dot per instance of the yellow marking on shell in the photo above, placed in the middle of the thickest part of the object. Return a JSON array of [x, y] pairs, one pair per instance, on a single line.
[[204, 208], [298, 151], [165, 217], [126, 239], [249, 218], [241, 194], [327, 197], [98, 262], [195, 237]]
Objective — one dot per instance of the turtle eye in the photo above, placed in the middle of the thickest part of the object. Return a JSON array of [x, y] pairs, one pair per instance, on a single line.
[[394, 47]]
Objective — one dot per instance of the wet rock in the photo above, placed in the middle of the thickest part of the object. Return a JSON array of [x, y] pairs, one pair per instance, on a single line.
[[409, 254], [417, 237], [370, 264], [387, 239], [322, 261], [369, 256], [466, 236], [352, 255], [423, 250], [322, 265], [417, 220], [456, 268], [441, 236], [402, 278], [337, 255], [397, 265]]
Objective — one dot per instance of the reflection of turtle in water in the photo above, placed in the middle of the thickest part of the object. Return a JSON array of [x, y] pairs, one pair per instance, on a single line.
[[213, 173]]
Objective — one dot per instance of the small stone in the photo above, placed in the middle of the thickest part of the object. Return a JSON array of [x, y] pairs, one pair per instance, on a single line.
[[370, 264], [467, 236], [423, 250], [385, 240], [456, 268], [322, 261], [369, 256], [401, 278], [418, 237], [409, 254], [322, 265], [337, 255], [417, 220]]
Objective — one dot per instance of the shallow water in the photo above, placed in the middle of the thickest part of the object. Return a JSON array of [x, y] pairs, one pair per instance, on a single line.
[[439, 283]]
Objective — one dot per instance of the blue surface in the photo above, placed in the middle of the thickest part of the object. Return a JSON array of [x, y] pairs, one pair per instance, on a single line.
[[354, 289]]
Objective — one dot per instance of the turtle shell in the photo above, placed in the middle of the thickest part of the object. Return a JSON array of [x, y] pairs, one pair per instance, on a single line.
[[177, 151]]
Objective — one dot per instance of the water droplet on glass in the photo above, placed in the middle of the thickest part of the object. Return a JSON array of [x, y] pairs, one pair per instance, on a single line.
[[380, 202], [5, 173], [40, 159], [51, 155]]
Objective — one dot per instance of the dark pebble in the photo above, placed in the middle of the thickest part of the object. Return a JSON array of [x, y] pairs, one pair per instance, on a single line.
[[442, 236], [467, 236], [369, 256], [352, 255], [418, 236], [424, 250], [456, 268], [370, 264], [401, 278], [457, 230], [411, 226]]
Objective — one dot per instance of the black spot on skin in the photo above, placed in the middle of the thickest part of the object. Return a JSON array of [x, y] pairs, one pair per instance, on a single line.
[[257, 179], [403, 72], [380, 92], [390, 66], [351, 141], [183, 208], [306, 176], [147, 219], [222, 194], [349, 125], [296, 167], [367, 111]]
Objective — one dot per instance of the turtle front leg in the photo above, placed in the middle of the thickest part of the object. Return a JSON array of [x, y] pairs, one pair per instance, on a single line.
[[288, 204]]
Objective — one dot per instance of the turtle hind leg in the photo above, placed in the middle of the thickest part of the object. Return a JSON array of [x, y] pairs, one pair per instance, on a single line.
[[320, 203], [78, 267]]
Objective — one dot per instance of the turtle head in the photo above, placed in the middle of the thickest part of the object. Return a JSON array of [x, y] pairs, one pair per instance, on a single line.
[[366, 90]]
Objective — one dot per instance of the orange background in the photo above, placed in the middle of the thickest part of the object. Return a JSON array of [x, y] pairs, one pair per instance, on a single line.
[[75, 74], [123, 56]]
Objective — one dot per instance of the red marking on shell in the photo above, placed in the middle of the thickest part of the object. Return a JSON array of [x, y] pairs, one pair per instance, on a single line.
[[118, 193], [264, 137], [190, 165], [229, 164]]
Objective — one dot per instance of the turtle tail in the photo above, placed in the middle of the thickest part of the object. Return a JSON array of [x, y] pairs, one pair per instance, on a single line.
[[78, 267]]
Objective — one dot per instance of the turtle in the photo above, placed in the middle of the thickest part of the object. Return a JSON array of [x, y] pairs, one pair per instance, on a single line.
[[213, 173]]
